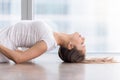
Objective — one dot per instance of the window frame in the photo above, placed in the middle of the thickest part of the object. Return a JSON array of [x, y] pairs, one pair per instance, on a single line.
[[26, 10]]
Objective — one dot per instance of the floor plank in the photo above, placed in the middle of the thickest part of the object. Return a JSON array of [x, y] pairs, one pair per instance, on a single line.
[[50, 67]]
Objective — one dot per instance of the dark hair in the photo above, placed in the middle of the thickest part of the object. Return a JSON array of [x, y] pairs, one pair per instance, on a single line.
[[71, 56]]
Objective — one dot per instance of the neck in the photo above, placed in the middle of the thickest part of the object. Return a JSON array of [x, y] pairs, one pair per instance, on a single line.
[[62, 39]]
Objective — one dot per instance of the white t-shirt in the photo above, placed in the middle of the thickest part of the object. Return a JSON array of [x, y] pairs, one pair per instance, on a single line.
[[26, 34]]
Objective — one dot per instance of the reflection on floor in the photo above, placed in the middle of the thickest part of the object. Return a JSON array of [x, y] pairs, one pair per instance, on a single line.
[[50, 67]]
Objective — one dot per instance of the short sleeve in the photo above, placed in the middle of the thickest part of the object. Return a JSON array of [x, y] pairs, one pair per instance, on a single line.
[[50, 41], [48, 36]]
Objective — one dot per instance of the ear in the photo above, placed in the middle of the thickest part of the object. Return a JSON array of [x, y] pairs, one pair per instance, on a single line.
[[70, 46]]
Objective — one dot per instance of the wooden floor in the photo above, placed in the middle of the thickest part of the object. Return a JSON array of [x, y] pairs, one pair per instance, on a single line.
[[50, 67]]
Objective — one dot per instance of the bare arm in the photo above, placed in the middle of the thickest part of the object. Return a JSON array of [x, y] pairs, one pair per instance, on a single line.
[[20, 51], [33, 52]]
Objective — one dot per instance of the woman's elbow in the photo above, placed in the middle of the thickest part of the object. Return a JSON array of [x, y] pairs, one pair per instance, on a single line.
[[18, 60]]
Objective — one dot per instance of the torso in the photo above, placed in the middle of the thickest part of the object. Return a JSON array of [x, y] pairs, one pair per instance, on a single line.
[[27, 33]]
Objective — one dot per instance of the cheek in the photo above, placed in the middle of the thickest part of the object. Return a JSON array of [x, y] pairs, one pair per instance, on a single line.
[[77, 41]]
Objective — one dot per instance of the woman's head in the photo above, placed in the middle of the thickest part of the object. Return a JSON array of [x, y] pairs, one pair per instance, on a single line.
[[71, 56], [75, 41], [74, 51]]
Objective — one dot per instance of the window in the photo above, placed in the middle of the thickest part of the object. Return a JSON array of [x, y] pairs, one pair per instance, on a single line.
[[97, 20], [51, 7], [10, 11], [52, 10]]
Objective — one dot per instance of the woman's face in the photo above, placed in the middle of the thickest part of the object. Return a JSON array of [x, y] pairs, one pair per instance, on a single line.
[[78, 41]]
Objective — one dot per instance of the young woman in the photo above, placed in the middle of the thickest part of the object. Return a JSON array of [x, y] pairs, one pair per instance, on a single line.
[[38, 37]]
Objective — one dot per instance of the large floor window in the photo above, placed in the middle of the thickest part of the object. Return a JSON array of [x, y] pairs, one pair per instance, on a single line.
[[10, 12], [97, 20]]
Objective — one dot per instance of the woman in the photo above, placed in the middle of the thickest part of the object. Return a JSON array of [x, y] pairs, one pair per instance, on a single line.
[[38, 38]]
